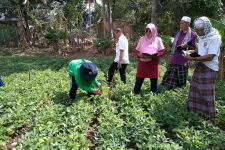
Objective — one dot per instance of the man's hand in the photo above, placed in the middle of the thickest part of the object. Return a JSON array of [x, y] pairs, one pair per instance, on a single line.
[[187, 56], [191, 51], [170, 59], [138, 55], [100, 88], [119, 65], [184, 45], [97, 92]]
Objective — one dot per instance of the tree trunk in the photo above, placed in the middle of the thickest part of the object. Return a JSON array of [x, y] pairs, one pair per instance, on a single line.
[[23, 10], [89, 3], [154, 11], [110, 20], [22, 34], [104, 18], [113, 6], [27, 31]]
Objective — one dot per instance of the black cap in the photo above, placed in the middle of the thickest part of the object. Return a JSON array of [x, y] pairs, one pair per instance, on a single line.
[[88, 71]]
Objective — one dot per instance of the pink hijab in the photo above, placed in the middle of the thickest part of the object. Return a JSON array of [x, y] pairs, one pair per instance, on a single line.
[[148, 45], [154, 33]]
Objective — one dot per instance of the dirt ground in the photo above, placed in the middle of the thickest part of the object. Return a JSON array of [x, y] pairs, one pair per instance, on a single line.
[[75, 53], [85, 52]]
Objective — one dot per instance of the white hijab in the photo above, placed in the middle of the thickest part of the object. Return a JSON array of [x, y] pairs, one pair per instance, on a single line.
[[210, 32]]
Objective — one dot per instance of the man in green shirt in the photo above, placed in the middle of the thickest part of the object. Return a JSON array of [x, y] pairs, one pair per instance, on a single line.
[[83, 75]]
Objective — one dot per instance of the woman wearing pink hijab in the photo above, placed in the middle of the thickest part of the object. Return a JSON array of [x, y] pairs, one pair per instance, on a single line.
[[148, 51]]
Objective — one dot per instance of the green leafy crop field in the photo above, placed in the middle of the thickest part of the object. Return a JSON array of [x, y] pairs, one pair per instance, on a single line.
[[34, 115]]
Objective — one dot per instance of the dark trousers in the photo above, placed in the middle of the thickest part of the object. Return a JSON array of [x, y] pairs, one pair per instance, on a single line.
[[113, 68], [1, 82], [139, 81], [74, 87]]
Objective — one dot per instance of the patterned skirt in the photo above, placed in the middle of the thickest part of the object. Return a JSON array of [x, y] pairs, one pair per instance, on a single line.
[[175, 76], [201, 97]]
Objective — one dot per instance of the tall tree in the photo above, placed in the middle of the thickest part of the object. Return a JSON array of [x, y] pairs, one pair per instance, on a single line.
[[104, 16], [21, 7], [154, 11], [109, 4]]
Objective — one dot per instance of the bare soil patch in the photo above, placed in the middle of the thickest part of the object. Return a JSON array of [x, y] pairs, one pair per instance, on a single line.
[[79, 52]]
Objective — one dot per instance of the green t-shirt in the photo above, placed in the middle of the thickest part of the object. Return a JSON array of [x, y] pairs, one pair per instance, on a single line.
[[74, 70]]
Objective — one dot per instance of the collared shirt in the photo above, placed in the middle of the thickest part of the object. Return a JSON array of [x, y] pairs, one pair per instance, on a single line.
[[210, 46], [74, 70], [122, 44]]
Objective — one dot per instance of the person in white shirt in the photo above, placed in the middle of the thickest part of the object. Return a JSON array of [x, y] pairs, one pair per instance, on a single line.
[[201, 97], [122, 57]]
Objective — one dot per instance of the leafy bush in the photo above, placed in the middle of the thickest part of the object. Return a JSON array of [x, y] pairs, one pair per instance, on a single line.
[[53, 35], [6, 51], [103, 45], [121, 121], [167, 41]]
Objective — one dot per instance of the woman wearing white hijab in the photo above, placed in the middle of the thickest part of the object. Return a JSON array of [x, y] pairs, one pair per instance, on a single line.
[[201, 97]]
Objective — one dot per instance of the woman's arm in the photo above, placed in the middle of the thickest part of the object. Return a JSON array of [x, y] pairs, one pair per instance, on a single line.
[[207, 57], [137, 53], [161, 48], [160, 53]]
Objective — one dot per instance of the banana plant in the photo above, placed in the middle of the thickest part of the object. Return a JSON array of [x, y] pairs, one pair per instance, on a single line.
[[220, 26]]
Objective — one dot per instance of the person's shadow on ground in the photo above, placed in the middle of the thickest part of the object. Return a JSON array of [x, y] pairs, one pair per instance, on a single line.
[[63, 98]]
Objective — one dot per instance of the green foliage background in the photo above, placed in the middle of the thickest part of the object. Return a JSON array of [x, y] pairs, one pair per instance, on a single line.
[[122, 121]]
